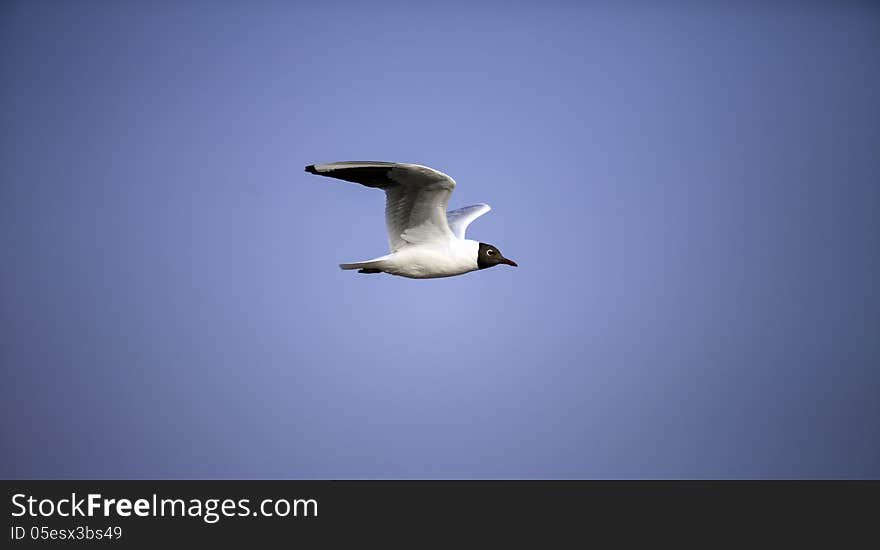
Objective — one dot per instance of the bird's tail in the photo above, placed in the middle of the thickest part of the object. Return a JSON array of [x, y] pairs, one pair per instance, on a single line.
[[357, 265], [371, 266]]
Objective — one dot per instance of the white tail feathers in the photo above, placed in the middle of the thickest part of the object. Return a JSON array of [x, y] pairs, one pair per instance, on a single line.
[[359, 265], [375, 263]]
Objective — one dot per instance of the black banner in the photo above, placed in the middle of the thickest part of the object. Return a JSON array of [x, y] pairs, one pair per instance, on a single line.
[[153, 513]]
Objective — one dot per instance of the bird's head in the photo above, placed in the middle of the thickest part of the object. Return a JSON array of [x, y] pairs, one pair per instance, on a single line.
[[489, 255]]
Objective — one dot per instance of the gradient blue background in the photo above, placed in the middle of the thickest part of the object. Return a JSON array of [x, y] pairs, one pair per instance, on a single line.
[[692, 193]]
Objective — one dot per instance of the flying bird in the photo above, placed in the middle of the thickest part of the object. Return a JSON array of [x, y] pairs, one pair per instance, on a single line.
[[426, 241]]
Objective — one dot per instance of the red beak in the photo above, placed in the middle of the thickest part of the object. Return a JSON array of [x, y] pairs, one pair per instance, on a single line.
[[510, 262]]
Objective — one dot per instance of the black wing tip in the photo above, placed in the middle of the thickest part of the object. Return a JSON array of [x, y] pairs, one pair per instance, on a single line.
[[311, 169]]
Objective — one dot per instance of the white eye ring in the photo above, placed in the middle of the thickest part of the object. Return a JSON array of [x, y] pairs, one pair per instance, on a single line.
[[490, 252]]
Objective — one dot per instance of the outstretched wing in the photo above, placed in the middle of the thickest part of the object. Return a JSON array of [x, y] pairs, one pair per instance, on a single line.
[[416, 197], [460, 219]]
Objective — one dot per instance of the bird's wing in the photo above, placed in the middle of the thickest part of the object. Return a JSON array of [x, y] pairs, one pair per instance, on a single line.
[[460, 219], [415, 197]]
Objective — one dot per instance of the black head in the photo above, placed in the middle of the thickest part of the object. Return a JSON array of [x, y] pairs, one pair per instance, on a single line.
[[489, 255]]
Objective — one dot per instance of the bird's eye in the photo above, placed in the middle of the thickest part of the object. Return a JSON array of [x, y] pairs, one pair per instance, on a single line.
[[490, 252]]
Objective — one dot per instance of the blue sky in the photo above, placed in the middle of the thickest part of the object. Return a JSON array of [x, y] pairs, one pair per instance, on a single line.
[[691, 192]]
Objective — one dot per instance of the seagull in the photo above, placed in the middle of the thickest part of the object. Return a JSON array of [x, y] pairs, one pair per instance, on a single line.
[[426, 241]]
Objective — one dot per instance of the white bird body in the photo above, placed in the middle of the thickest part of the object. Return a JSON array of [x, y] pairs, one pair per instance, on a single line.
[[427, 261], [426, 241]]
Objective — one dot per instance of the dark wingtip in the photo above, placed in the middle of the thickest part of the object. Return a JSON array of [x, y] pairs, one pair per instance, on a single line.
[[311, 169]]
